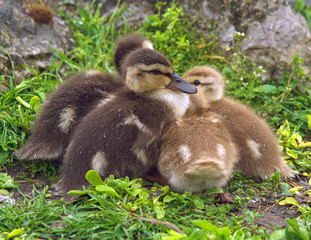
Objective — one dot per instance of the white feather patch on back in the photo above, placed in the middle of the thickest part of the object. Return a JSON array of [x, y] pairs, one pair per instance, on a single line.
[[185, 153], [132, 119], [254, 147], [99, 162], [66, 119]]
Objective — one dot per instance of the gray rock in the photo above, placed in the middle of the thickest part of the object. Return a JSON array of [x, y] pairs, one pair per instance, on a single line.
[[27, 41], [274, 31]]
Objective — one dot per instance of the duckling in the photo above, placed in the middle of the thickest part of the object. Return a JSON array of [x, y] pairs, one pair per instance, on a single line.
[[63, 110], [258, 150], [73, 100], [127, 44], [120, 137], [197, 153]]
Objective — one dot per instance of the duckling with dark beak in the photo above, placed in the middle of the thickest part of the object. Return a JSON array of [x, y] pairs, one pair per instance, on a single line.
[[71, 101], [120, 137]]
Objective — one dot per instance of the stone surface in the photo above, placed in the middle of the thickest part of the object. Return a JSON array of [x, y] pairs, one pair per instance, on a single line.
[[274, 31], [28, 42]]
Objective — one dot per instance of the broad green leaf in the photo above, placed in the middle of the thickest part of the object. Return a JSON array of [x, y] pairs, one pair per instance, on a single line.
[[168, 198], [108, 190], [93, 177], [278, 235], [225, 232], [227, 72], [160, 211], [294, 224], [173, 235], [276, 176], [292, 201], [294, 189], [285, 187], [214, 190], [269, 88], [292, 140], [198, 202], [289, 200], [4, 192], [206, 226], [238, 235], [291, 153], [35, 103]]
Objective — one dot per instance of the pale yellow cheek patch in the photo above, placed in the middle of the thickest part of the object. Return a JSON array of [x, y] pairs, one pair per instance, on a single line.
[[66, 119]]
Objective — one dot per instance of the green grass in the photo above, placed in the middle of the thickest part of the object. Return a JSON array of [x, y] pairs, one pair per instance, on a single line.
[[129, 209]]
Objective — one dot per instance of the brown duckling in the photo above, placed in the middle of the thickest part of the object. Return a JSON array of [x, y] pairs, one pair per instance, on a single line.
[[73, 100], [197, 153], [258, 150], [62, 111], [127, 44], [120, 137]]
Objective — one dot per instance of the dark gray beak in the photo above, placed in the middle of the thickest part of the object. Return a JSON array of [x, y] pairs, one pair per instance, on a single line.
[[179, 84]]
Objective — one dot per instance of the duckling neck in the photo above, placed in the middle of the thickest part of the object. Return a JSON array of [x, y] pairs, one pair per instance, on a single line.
[[178, 102]]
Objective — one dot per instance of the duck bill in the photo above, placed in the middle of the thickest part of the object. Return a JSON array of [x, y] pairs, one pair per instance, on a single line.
[[179, 84]]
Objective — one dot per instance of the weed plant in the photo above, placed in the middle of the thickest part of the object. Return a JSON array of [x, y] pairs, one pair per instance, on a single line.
[[131, 209]]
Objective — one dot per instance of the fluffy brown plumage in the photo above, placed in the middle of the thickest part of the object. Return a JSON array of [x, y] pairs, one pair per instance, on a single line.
[[259, 153], [62, 111], [197, 153], [121, 136], [73, 100], [128, 44]]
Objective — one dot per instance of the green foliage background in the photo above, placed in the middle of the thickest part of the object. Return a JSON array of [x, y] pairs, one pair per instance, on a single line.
[[123, 208]]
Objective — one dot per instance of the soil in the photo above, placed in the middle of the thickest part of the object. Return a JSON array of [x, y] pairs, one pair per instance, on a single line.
[[274, 214]]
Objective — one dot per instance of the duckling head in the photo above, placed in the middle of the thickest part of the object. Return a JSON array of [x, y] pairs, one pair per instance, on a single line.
[[208, 81], [128, 44], [145, 70]]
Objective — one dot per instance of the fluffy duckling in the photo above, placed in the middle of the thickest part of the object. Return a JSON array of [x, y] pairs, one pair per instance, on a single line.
[[120, 137], [63, 110], [129, 43], [258, 150], [197, 153], [72, 101]]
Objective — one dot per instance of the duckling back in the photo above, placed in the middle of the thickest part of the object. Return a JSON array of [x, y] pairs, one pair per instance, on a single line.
[[257, 144], [259, 153], [197, 153], [62, 111]]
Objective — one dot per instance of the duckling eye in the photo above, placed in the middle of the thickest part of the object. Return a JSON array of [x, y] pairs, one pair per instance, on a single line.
[[196, 82], [156, 71]]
